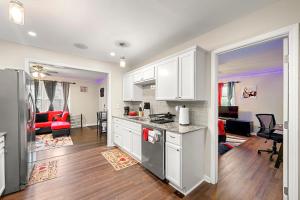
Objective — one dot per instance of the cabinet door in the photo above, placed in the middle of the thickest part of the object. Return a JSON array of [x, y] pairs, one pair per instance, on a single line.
[[167, 79], [126, 139], [138, 76], [136, 145], [173, 164], [117, 135], [187, 76], [149, 73], [2, 170], [127, 87]]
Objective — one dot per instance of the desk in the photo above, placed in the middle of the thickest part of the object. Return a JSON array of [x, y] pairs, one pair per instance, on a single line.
[[279, 129]]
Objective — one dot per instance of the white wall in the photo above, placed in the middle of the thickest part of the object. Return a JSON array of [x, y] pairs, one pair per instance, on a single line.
[[13, 56], [85, 103], [103, 100], [269, 96]]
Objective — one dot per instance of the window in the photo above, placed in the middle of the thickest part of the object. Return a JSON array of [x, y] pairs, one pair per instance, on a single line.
[[43, 102], [224, 100]]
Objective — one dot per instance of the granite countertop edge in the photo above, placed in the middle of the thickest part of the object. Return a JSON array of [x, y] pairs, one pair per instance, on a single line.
[[2, 134], [172, 126]]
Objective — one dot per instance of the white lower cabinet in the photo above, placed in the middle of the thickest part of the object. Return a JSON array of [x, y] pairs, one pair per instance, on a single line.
[[127, 136], [136, 145], [185, 160], [173, 164], [2, 166], [117, 134], [126, 139]]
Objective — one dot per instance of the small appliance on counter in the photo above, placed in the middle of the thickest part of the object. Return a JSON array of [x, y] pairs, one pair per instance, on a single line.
[[162, 118], [184, 118], [147, 111], [126, 110]]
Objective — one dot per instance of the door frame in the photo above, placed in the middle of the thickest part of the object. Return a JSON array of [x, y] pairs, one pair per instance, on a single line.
[[109, 140], [291, 173]]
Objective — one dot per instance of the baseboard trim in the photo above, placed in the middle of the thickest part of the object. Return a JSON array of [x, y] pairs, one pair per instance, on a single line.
[[190, 190], [207, 179]]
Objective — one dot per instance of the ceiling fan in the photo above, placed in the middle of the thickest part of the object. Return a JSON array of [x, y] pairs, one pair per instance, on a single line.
[[39, 71]]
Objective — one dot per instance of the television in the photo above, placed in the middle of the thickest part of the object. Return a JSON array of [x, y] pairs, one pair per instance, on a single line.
[[229, 112]]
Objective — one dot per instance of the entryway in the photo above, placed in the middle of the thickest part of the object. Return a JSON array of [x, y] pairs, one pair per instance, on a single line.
[[290, 109]]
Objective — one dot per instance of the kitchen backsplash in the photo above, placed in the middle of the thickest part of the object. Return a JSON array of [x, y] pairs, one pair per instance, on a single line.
[[198, 110]]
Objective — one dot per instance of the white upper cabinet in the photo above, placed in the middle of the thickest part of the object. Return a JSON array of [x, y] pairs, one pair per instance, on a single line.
[[167, 79], [187, 76], [131, 92], [182, 77], [144, 75]]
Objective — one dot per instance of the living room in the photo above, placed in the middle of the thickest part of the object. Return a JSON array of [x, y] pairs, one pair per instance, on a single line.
[[251, 105], [67, 121]]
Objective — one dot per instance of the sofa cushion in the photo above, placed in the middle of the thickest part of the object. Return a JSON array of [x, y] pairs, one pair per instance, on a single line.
[[43, 124], [41, 117], [53, 114], [60, 125]]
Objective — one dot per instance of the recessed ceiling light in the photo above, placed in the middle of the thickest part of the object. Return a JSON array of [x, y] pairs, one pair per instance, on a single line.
[[112, 54], [80, 46], [32, 34], [16, 12]]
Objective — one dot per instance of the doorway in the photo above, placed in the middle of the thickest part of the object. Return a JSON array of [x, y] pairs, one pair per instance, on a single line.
[[78, 95], [291, 47], [250, 118]]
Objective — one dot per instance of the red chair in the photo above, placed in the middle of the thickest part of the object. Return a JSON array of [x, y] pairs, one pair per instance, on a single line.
[[221, 131]]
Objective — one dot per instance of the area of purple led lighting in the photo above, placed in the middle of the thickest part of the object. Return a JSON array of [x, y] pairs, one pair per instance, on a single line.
[[99, 81], [273, 70]]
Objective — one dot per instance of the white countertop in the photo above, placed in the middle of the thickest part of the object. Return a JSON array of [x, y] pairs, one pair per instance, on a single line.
[[172, 126]]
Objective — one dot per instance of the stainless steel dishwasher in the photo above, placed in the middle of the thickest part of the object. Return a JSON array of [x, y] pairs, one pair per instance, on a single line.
[[153, 154]]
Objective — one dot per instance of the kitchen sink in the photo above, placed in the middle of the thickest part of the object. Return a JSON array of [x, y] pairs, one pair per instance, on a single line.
[[139, 118]]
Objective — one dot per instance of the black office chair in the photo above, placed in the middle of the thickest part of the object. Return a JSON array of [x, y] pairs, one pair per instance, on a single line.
[[267, 124]]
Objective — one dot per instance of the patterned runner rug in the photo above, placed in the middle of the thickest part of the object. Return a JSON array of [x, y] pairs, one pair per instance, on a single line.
[[118, 159], [235, 140], [43, 171], [46, 141]]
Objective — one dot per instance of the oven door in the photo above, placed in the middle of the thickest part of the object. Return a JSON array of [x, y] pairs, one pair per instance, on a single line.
[[153, 155]]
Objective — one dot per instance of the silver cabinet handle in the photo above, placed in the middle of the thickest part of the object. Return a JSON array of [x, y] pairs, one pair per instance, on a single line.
[[172, 136], [177, 149]]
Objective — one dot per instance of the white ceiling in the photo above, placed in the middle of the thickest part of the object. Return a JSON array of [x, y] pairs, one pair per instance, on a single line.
[[264, 57], [72, 74], [150, 26]]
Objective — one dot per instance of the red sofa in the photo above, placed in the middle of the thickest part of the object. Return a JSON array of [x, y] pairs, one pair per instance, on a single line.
[[47, 122]]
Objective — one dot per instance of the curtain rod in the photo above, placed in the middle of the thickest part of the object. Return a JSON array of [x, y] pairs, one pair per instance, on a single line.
[[231, 82], [57, 81]]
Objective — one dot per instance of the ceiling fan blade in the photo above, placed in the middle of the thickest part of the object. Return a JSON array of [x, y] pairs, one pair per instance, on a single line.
[[52, 72]]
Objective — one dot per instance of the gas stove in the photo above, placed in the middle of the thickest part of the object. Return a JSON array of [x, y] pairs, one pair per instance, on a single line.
[[162, 118]]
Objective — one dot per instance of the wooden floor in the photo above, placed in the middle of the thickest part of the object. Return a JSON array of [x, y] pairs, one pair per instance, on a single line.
[[86, 174], [83, 138]]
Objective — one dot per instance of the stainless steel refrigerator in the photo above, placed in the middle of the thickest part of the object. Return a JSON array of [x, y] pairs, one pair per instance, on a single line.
[[17, 116]]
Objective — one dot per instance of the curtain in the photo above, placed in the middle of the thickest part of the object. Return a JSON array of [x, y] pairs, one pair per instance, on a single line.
[[66, 89], [36, 94], [230, 87], [220, 87], [50, 90]]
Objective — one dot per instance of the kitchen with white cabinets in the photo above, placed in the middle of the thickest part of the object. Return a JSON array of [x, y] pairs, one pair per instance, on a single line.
[[178, 152]]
